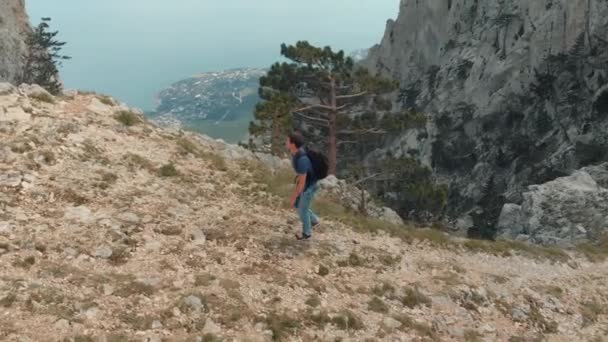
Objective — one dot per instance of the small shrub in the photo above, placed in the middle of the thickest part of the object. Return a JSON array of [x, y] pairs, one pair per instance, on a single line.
[[282, 326], [106, 100], [204, 279], [472, 336], [413, 298], [313, 301], [320, 319], [407, 323], [217, 161], [591, 311], [128, 287], [168, 170], [538, 320], [48, 157], [135, 160], [43, 97], [323, 271], [127, 118], [595, 252], [377, 305], [8, 300], [186, 146], [347, 320], [109, 177], [171, 231], [386, 290], [27, 262]]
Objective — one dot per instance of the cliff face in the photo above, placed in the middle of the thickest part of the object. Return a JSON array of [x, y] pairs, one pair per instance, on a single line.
[[515, 91], [14, 26]]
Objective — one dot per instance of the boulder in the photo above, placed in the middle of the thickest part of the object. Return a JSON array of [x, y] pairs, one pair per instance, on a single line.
[[564, 212]]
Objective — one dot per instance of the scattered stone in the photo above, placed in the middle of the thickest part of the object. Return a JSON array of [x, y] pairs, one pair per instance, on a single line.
[[156, 324], [62, 324], [70, 252], [198, 237], [11, 179], [108, 289], [30, 90], [129, 218], [6, 228], [6, 88], [103, 252], [91, 313], [391, 323], [211, 328], [193, 302], [80, 214], [519, 314]]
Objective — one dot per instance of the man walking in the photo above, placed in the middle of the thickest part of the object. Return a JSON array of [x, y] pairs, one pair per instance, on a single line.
[[306, 184]]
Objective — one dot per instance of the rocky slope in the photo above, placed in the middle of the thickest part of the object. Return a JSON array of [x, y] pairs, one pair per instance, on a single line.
[[516, 93], [209, 101], [14, 26], [112, 229]]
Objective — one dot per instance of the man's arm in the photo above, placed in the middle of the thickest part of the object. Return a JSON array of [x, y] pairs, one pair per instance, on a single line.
[[300, 184]]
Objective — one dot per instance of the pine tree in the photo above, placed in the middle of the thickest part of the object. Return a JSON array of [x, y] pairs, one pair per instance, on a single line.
[[44, 57], [324, 85], [273, 119]]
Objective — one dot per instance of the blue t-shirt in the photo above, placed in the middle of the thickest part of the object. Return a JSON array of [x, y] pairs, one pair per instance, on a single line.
[[303, 166]]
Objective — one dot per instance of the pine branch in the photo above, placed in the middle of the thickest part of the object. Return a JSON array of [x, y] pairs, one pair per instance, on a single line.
[[323, 121], [343, 97]]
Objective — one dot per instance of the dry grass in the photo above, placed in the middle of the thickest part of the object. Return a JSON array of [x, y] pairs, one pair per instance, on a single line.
[[168, 170], [106, 100], [135, 161], [128, 118], [377, 305], [471, 335], [385, 290], [348, 320], [413, 297], [597, 252], [508, 248], [407, 324], [204, 279], [538, 320], [591, 312], [43, 97], [313, 301], [323, 270], [281, 325]]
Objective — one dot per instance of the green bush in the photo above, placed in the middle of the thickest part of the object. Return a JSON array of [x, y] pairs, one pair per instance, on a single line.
[[127, 118], [168, 170]]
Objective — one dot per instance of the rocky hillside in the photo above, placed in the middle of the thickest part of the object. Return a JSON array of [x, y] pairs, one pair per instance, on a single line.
[[210, 102], [14, 26], [112, 229], [516, 93]]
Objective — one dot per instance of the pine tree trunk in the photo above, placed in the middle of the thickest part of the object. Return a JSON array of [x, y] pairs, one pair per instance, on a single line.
[[332, 154], [276, 147]]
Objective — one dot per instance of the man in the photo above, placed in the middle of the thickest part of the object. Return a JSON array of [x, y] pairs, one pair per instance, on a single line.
[[306, 185]]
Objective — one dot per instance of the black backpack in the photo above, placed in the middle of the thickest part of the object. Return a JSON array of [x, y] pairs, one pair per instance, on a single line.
[[319, 162]]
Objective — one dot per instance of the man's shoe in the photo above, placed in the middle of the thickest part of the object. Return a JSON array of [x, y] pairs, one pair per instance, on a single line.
[[303, 237]]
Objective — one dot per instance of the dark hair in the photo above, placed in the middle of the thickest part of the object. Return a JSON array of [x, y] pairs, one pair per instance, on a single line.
[[296, 138]]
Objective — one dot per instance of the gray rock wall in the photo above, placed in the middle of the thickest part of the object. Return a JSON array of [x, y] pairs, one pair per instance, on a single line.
[[14, 26], [516, 93]]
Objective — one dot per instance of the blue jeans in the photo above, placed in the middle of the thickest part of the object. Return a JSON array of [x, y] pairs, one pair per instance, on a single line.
[[303, 204]]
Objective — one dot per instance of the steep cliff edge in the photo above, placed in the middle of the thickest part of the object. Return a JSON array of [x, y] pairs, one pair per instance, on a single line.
[[14, 26], [516, 92]]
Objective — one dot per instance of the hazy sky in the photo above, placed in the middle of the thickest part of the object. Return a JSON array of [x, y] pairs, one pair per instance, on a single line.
[[131, 49]]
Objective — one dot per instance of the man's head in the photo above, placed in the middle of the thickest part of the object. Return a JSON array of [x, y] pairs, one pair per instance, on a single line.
[[295, 140]]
